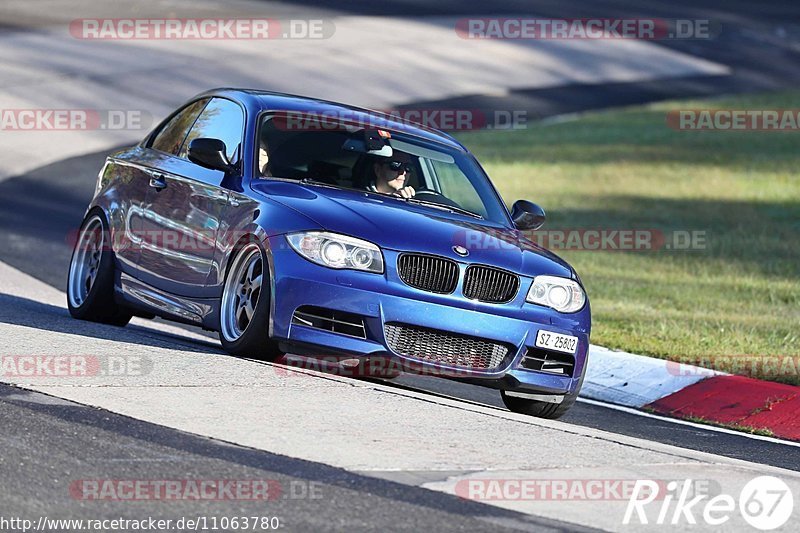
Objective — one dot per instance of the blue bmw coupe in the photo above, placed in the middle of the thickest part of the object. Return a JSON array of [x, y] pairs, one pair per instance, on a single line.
[[295, 225]]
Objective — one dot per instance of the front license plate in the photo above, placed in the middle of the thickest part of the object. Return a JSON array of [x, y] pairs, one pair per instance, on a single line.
[[555, 341]]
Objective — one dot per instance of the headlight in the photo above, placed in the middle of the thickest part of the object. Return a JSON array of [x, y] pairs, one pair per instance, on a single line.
[[562, 294], [337, 251]]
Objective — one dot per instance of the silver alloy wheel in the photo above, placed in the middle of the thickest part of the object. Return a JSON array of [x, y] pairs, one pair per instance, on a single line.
[[241, 292], [85, 261]]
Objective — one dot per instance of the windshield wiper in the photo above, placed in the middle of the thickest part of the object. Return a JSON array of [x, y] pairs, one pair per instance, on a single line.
[[305, 181], [444, 207], [312, 181]]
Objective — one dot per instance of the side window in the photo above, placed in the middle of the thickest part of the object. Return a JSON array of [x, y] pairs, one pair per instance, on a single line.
[[221, 119], [171, 136]]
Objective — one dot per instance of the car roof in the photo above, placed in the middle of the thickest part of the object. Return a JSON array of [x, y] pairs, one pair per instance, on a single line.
[[274, 101]]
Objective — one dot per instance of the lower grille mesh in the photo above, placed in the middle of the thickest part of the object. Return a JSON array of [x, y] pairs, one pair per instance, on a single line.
[[445, 348]]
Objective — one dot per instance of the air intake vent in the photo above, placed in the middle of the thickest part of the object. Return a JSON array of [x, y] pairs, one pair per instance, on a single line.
[[445, 348], [330, 320], [546, 361], [428, 272], [489, 284]]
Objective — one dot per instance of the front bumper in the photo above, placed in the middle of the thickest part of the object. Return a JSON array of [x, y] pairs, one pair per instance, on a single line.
[[382, 299]]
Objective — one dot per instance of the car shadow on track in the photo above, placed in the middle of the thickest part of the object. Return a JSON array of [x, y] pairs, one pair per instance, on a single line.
[[21, 311], [40, 214]]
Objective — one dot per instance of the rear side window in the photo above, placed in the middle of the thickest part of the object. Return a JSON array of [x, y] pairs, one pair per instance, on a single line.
[[221, 119], [172, 134]]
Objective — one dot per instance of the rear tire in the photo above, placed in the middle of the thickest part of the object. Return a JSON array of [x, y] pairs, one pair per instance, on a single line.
[[90, 282], [245, 306]]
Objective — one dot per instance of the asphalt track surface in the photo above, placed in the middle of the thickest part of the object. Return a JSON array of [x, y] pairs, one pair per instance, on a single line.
[[55, 439], [759, 41], [48, 441]]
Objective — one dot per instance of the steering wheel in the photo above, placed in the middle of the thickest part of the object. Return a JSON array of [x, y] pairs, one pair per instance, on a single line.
[[437, 197]]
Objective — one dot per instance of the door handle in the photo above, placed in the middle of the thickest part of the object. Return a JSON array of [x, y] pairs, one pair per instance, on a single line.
[[158, 182], [233, 202]]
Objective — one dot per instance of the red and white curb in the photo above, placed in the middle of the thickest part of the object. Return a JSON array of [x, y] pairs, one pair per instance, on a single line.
[[686, 391]]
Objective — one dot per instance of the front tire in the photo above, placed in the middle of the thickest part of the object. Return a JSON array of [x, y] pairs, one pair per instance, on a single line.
[[90, 283], [540, 409], [244, 308]]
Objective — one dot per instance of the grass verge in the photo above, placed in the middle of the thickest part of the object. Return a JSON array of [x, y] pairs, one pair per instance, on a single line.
[[738, 295]]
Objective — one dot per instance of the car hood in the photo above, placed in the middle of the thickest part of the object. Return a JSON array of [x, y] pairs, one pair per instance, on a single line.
[[394, 224]]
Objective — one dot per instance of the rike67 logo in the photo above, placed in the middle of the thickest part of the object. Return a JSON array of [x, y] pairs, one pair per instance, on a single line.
[[766, 503]]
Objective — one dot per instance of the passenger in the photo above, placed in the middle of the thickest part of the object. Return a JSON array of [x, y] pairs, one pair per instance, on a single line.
[[263, 160]]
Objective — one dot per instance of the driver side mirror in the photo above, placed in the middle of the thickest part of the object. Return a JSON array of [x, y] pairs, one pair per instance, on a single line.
[[527, 215], [210, 153]]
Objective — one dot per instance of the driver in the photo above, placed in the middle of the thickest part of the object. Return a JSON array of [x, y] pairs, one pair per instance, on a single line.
[[391, 175]]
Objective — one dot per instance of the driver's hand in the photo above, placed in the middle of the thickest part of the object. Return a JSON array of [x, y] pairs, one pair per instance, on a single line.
[[406, 192]]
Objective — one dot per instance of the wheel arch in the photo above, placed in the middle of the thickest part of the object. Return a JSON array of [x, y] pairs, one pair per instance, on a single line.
[[258, 236]]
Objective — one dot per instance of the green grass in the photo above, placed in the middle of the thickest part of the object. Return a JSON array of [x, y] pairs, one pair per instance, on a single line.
[[627, 169], [764, 432]]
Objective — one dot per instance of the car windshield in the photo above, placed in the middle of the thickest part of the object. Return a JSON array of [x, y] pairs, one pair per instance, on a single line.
[[420, 172]]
